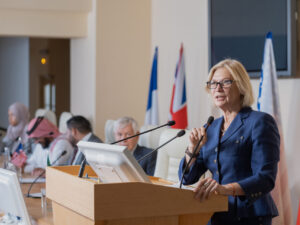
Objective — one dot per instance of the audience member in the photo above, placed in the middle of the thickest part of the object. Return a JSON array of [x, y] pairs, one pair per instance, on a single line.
[[52, 144], [80, 129], [125, 127], [18, 117]]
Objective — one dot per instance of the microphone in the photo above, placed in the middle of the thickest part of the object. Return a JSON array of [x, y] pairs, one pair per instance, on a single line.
[[18, 138], [42, 173], [179, 134], [82, 166], [209, 122], [58, 158], [169, 123]]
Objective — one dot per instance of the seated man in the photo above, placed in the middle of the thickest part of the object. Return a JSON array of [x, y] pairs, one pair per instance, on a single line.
[[80, 129], [50, 146], [125, 127]]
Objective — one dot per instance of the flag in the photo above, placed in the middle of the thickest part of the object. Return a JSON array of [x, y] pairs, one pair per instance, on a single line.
[[19, 157], [178, 107], [298, 220], [151, 117], [268, 101]]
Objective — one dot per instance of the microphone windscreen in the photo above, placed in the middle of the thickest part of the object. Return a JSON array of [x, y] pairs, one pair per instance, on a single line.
[[181, 133], [210, 120], [171, 123], [63, 153]]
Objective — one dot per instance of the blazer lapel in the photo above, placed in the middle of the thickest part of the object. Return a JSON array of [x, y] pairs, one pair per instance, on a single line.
[[91, 139], [215, 134], [137, 153], [236, 123]]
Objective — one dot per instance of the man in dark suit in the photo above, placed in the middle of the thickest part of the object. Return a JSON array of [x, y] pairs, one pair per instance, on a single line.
[[80, 129], [126, 127]]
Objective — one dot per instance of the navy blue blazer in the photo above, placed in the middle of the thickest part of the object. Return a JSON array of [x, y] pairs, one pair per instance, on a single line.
[[248, 153], [148, 164]]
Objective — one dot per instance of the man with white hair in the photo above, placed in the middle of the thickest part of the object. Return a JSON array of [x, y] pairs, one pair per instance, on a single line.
[[125, 127]]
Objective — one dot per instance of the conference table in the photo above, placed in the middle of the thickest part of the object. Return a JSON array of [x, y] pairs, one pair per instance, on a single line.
[[34, 206]]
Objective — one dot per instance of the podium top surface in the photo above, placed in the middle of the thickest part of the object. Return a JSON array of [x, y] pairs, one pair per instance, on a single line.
[[99, 201]]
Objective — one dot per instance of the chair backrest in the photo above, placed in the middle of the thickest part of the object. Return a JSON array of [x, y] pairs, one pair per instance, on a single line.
[[169, 156], [151, 139], [48, 114], [63, 118], [109, 131]]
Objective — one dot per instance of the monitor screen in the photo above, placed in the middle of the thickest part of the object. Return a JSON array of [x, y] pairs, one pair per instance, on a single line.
[[112, 163], [12, 201], [238, 30]]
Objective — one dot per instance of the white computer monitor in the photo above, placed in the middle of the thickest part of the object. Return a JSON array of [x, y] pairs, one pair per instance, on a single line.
[[112, 163], [11, 197]]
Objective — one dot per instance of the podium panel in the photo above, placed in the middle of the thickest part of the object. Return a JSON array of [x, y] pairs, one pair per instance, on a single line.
[[83, 201], [66, 216]]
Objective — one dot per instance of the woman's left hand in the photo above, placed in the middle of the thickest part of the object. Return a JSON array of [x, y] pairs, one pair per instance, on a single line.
[[206, 188]]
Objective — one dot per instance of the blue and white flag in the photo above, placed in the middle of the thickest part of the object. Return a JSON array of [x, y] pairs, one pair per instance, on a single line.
[[268, 101], [151, 117]]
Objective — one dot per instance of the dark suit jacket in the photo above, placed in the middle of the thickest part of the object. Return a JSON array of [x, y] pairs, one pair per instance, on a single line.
[[148, 164], [81, 157], [248, 153]]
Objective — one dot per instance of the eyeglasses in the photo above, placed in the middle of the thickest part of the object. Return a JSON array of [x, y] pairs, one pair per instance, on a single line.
[[223, 84]]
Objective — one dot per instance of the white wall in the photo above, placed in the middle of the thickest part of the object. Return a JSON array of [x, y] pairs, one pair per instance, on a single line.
[[14, 74], [83, 70], [175, 21], [41, 18]]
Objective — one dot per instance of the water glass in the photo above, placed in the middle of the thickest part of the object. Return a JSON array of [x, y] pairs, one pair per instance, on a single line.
[[43, 201]]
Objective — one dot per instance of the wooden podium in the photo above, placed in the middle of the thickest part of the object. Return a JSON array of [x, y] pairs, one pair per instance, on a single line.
[[84, 201]]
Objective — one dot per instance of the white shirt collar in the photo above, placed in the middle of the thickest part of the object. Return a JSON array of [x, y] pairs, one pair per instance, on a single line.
[[87, 137], [134, 149]]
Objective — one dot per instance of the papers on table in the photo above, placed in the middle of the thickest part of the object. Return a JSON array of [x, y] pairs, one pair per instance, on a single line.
[[30, 180]]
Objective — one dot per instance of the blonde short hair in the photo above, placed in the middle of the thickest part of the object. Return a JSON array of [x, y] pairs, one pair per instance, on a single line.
[[239, 75]]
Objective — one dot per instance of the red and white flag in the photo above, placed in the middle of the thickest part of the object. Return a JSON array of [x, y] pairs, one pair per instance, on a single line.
[[178, 107], [298, 220], [268, 101]]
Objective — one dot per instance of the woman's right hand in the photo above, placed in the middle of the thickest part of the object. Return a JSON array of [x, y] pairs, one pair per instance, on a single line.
[[194, 138]]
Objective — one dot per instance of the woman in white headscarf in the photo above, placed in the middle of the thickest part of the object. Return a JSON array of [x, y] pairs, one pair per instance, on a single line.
[[18, 116]]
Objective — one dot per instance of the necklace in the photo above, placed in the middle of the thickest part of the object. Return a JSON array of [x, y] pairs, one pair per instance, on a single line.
[[224, 128], [225, 124], [222, 132]]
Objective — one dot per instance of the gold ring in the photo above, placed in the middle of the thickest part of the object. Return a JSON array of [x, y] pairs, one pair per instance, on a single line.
[[205, 185]]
